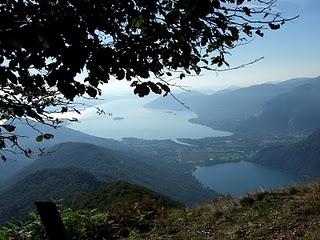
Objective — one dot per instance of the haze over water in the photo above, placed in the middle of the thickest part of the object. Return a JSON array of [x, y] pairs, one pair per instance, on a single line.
[[130, 119]]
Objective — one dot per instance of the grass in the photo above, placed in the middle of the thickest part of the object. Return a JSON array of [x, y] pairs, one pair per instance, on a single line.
[[292, 213]]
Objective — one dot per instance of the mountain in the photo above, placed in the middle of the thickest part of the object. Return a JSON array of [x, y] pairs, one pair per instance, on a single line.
[[9, 168], [188, 98], [239, 109], [294, 111], [302, 158], [232, 109], [120, 194], [168, 178], [291, 213], [74, 188], [43, 185], [16, 161]]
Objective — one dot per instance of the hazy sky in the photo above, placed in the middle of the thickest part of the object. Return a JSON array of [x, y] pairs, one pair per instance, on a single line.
[[291, 52]]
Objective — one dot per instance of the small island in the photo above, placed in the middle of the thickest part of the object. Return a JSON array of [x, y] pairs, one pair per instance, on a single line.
[[118, 118], [170, 112]]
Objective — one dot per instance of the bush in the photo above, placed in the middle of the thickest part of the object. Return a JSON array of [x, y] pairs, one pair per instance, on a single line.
[[117, 223], [246, 201]]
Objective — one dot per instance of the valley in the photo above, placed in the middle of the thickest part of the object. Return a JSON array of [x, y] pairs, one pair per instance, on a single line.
[[159, 120], [172, 166], [210, 150]]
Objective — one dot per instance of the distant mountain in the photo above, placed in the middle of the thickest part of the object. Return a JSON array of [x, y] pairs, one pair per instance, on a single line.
[[294, 111], [170, 179], [180, 102], [46, 184], [30, 130], [235, 110], [230, 110], [302, 158], [120, 194], [61, 134], [75, 188], [9, 168]]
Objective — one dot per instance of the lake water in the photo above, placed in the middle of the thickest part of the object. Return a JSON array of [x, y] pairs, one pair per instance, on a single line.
[[241, 177], [130, 119]]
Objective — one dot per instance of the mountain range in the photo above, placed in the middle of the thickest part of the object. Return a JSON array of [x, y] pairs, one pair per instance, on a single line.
[[288, 106], [168, 178], [44, 185], [294, 111], [30, 130], [301, 158], [76, 164], [76, 188]]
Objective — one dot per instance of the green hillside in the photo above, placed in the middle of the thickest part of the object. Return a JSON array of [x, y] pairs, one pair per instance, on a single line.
[[169, 179], [74, 188], [292, 213], [120, 194], [301, 158], [61, 134], [46, 184]]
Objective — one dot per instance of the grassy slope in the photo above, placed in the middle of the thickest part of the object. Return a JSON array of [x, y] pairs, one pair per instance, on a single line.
[[119, 194], [293, 213]]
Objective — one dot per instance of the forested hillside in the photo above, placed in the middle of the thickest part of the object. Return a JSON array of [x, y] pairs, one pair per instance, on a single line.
[[170, 179], [285, 106], [43, 185], [302, 158], [120, 195], [292, 213], [76, 188], [16, 161], [294, 111]]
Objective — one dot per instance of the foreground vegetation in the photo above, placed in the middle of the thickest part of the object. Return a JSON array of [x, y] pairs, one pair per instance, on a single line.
[[292, 213]]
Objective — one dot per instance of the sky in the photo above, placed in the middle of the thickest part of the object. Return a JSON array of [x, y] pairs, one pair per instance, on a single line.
[[291, 52]]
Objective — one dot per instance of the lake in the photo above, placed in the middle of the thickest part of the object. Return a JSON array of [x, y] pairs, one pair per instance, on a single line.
[[241, 177], [129, 118]]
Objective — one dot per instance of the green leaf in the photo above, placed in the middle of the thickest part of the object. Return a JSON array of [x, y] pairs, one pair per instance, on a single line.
[[2, 144], [92, 92], [48, 136], [137, 22], [258, 32], [246, 11], [3, 158], [39, 138], [142, 89], [274, 26], [154, 87], [64, 109], [120, 74], [44, 43], [9, 128]]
